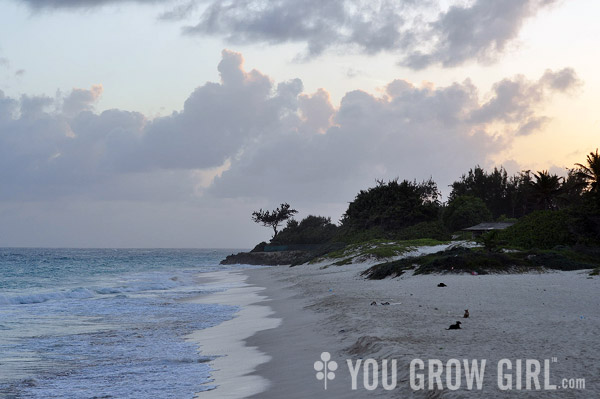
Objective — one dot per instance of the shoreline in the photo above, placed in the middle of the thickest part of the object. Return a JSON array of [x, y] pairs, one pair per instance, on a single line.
[[231, 369]]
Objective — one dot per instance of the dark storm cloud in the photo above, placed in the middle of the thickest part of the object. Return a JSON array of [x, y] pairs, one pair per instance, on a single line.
[[264, 140]]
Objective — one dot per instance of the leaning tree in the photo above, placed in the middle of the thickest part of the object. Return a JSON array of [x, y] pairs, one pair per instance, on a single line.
[[274, 218]]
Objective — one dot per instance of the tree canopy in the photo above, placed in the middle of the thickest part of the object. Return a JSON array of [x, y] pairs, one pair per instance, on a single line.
[[590, 173], [393, 205], [465, 211], [274, 218], [310, 230]]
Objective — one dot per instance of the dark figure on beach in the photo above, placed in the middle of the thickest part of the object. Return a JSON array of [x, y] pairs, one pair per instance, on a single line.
[[442, 285], [455, 326], [373, 303], [466, 316], [385, 303]]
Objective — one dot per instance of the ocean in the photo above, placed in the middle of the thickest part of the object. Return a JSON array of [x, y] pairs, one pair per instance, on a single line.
[[105, 323]]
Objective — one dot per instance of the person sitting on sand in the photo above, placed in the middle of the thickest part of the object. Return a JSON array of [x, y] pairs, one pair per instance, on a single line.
[[466, 315]]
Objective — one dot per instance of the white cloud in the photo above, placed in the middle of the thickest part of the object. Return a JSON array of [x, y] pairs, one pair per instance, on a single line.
[[247, 137]]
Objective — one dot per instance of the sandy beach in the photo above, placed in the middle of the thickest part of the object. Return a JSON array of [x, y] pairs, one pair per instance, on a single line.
[[550, 318]]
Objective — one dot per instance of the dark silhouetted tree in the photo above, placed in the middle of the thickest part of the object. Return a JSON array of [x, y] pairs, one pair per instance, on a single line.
[[310, 230], [495, 189], [465, 211], [590, 173], [274, 218], [393, 205], [572, 189], [546, 188]]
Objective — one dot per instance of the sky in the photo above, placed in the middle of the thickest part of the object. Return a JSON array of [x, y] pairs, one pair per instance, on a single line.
[[165, 123]]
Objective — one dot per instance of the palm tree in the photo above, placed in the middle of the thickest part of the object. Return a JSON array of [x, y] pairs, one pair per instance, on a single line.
[[590, 173], [545, 189]]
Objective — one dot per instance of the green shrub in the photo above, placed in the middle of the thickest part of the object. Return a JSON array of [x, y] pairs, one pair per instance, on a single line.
[[540, 229]]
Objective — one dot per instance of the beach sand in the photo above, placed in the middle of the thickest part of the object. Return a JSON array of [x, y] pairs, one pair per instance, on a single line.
[[554, 316]]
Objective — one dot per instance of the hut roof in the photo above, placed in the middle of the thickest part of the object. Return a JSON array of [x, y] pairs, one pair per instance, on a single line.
[[489, 226]]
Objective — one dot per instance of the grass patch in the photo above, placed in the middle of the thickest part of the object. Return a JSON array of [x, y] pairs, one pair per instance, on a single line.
[[347, 261], [377, 249], [469, 260]]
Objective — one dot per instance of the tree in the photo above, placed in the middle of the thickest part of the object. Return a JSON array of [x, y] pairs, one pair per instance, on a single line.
[[274, 218], [494, 188], [465, 211], [520, 194], [573, 187], [311, 230], [545, 190], [392, 206], [590, 173]]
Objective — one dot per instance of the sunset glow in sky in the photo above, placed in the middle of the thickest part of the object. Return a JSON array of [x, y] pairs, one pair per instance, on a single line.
[[164, 123]]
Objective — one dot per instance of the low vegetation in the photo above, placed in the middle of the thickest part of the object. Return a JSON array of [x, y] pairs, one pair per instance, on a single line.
[[375, 249], [480, 261]]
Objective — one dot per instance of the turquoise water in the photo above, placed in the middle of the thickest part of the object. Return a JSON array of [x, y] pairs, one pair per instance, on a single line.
[[104, 323]]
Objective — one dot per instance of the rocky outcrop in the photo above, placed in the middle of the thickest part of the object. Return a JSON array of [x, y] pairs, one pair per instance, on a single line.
[[266, 258]]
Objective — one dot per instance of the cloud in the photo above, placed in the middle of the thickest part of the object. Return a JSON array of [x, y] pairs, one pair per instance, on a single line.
[[514, 100], [564, 80], [480, 31], [247, 137], [179, 11], [81, 100], [72, 4], [408, 132], [532, 125], [419, 31], [216, 120]]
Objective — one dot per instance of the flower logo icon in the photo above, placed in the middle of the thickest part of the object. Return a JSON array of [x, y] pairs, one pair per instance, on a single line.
[[325, 368]]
